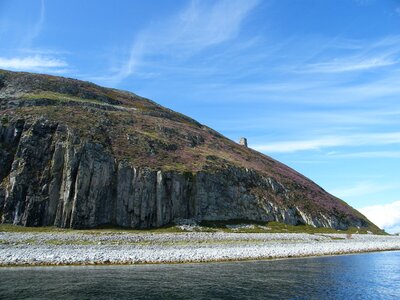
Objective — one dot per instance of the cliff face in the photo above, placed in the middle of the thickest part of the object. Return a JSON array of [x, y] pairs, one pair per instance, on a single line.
[[73, 154]]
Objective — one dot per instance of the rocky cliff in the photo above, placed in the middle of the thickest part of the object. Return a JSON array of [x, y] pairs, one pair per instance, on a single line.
[[73, 154]]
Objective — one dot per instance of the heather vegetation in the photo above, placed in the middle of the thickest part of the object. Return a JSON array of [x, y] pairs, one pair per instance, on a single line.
[[143, 134]]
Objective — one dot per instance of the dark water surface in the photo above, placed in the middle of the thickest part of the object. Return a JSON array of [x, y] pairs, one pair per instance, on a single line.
[[361, 276]]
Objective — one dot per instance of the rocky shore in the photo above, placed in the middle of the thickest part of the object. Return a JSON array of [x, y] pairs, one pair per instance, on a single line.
[[76, 248]]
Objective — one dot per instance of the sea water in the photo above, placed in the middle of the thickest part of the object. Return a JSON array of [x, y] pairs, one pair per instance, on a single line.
[[361, 276]]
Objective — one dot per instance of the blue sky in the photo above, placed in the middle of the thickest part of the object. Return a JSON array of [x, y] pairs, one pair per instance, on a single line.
[[314, 84]]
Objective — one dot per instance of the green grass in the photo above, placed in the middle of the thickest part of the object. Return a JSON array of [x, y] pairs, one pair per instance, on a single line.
[[205, 226], [62, 98], [70, 242], [58, 96], [24, 242], [16, 228], [276, 227], [101, 230]]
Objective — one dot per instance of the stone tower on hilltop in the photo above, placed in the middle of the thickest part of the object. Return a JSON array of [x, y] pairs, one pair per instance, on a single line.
[[243, 141]]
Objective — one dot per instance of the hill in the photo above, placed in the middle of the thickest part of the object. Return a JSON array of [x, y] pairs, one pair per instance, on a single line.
[[77, 155]]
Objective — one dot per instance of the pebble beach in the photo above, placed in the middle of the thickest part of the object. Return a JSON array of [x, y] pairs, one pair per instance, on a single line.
[[75, 248]]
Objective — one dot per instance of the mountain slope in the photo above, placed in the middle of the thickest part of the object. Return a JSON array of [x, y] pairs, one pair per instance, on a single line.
[[77, 155]]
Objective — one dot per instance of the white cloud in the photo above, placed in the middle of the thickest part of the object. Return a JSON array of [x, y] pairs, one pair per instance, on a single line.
[[43, 51], [331, 141], [369, 154], [35, 29], [300, 145], [349, 65], [364, 55], [332, 92], [385, 216], [200, 26], [363, 188], [197, 27], [33, 63], [128, 67]]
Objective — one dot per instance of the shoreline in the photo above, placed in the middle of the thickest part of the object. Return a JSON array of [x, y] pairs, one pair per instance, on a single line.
[[127, 264], [80, 249]]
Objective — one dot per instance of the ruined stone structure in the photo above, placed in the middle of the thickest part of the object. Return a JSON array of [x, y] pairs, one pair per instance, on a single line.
[[243, 141]]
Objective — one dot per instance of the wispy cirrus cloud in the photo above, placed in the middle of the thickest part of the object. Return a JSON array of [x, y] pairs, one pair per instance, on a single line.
[[330, 141], [36, 28], [368, 154], [355, 56], [363, 188], [322, 91], [199, 26], [385, 216], [343, 119], [299, 145], [34, 63], [351, 64]]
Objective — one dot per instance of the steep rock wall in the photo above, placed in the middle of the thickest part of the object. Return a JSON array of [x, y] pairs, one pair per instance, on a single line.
[[49, 176]]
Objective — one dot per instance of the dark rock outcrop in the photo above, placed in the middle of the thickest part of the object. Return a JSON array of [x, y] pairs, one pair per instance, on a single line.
[[86, 156]]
